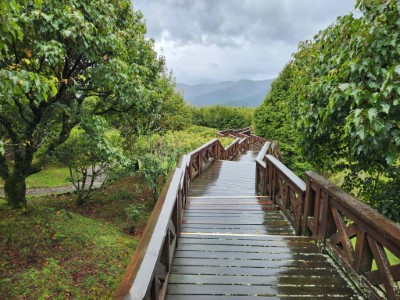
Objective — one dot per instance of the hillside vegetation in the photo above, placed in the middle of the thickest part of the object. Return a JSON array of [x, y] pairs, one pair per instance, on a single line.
[[222, 117], [84, 98], [81, 251], [248, 93], [338, 102]]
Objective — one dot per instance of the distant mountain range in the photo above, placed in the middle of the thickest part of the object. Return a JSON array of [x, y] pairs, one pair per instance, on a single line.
[[232, 93]]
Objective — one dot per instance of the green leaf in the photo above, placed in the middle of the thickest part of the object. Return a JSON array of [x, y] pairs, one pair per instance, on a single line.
[[361, 132], [357, 112], [372, 113], [397, 140], [391, 158], [67, 32], [397, 69], [385, 107], [343, 86], [378, 124]]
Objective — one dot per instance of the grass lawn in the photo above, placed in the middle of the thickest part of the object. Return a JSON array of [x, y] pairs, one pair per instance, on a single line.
[[53, 175], [62, 251], [393, 260]]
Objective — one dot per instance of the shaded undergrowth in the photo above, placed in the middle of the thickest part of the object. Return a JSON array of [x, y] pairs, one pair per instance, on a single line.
[[57, 250]]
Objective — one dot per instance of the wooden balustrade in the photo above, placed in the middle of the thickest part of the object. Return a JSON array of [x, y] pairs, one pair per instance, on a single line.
[[235, 132], [354, 234], [147, 273], [287, 190], [261, 183], [258, 140], [269, 148]]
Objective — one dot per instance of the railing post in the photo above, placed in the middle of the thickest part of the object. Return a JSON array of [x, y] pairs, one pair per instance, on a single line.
[[308, 208], [215, 150], [327, 226], [199, 161], [267, 178]]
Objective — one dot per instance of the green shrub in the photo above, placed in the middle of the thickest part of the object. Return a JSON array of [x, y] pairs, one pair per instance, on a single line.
[[134, 213], [123, 195], [91, 154], [222, 117]]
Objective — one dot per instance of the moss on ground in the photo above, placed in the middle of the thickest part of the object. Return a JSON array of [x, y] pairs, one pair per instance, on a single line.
[[57, 250]]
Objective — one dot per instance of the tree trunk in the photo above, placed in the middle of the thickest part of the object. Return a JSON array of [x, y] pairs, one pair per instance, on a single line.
[[15, 189]]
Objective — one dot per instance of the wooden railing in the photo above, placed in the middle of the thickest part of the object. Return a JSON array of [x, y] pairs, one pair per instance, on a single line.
[[355, 235], [287, 190], [147, 273], [235, 132]]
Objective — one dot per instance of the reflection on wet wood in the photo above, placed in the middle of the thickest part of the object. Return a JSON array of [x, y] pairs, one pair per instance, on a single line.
[[237, 245]]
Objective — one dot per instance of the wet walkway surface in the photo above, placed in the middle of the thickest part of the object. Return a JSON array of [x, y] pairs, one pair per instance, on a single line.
[[237, 245]]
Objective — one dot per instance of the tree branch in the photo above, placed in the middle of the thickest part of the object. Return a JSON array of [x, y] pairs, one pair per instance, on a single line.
[[77, 61], [15, 53], [8, 126], [21, 111], [112, 108], [41, 64]]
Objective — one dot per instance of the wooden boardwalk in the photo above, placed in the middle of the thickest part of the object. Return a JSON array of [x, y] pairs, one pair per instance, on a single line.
[[237, 245]]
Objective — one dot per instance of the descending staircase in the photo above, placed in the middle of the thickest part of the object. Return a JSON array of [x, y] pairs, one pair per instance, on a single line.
[[235, 223], [237, 245]]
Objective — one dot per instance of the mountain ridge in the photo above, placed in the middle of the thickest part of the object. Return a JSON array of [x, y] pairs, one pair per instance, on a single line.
[[243, 92]]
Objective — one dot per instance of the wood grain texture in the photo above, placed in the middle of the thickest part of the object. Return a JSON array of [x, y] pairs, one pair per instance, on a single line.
[[237, 245]]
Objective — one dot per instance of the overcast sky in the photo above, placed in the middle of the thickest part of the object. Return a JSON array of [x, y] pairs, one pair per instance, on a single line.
[[206, 41]]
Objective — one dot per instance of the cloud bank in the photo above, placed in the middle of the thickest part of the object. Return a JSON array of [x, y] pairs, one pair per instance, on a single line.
[[216, 40]]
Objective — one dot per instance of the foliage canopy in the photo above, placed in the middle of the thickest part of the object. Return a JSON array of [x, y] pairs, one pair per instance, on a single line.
[[344, 98], [222, 117], [64, 64], [346, 92], [272, 120]]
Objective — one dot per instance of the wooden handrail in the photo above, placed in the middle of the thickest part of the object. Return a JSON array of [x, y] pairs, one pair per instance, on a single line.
[[147, 273], [136, 282], [287, 190], [353, 233]]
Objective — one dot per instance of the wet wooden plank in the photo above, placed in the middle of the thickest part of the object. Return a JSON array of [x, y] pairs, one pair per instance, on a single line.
[[247, 241], [241, 248], [251, 255], [292, 238], [255, 280], [222, 297], [235, 221], [276, 225], [272, 215], [284, 231], [247, 156], [234, 245], [194, 203], [232, 206], [222, 180], [256, 271], [235, 297], [262, 290], [217, 262]]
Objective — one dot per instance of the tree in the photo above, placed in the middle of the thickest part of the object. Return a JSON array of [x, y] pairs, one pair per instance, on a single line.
[[347, 87], [61, 63], [222, 117], [166, 110], [272, 120], [92, 155], [345, 97]]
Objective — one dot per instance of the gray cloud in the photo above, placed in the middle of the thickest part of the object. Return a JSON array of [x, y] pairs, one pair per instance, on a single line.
[[216, 40]]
